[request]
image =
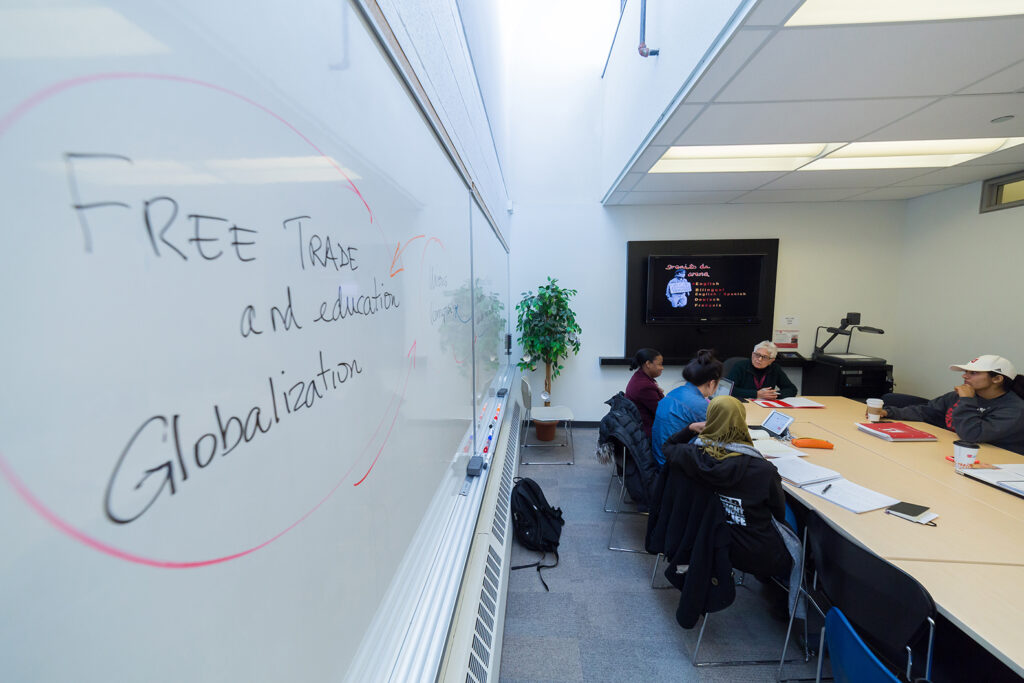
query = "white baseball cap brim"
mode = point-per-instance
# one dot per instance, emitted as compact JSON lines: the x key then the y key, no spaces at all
{"x":988,"y":363}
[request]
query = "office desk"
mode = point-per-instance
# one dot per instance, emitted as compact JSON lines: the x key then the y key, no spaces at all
{"x":972,"y":563}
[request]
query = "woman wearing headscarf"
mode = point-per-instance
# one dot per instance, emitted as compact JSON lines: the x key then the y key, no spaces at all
{"x":724,"y":459}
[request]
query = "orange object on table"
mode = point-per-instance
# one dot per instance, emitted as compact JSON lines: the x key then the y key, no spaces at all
{"x":805,"y":442}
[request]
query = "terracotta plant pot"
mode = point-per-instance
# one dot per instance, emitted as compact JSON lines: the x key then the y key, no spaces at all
{"x":545,"y":430}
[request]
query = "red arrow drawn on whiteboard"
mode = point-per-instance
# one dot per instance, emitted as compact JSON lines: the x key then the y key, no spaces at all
{"x":398,"y":255}
{"x":396,"y":403}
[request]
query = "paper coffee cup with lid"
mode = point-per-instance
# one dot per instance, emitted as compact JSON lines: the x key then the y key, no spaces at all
{"x":965,"y":454}
{"x":874,"y":409}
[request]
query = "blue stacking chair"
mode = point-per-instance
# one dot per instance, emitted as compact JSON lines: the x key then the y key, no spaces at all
{"x":852,"y":660}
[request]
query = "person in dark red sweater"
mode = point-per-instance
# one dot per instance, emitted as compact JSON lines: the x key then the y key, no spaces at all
{"x":642,"y":389}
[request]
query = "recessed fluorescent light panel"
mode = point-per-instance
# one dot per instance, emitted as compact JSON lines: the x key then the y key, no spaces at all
{"x":909,"y":154}
{"x":737,"y":158}
{"x":831,"y":12}
{"x":828,"y":156}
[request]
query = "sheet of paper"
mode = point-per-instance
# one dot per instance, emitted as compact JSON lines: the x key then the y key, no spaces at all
{"x":801,"y":402}
{"x":791,"y":402}
{"x":801,"y":472}
{"x":853,"y":497}
{"x":757,"y":434}
{"x":770,"y":448}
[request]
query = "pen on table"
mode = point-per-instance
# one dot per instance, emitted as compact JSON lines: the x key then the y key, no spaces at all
{"x":825,"y":490}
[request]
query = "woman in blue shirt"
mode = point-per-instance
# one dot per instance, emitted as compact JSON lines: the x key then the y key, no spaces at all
{"x":686,"y":406}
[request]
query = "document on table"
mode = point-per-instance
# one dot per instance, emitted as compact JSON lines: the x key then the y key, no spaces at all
{"x":770,"y":448}
{"x":853,"y":497}
{"x":1009,"y":477}
{"x":801,"y":473}
{"x":792,"y":402}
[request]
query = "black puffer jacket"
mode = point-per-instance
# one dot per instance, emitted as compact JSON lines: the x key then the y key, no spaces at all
{"x":623,"y":425}
{"x":688,"y":524}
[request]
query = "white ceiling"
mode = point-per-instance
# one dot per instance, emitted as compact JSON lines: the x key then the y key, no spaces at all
{"x":898,"y":81}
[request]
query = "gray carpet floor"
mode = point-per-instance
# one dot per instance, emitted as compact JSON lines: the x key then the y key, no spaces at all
{"x":601,"y":620}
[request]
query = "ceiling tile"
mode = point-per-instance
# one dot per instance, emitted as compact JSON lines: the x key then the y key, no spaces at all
{"x":885,"y":193}
{"x":680,"y":197}
{"x":739,"y":49}
{"x":677,"y":122}
{"x":1010,"y":79}
{"x":691,"y":182}
{"x":647,"y":158}
{"x":630,"y":181}
{"x":849,"y":179}
{"x":877,"y":60}
{"x":772,"y":12}
{"x":959,"y":175}
{"x":823,"y":195}
{"x":778,"y":122}
{"x":959,"y":116}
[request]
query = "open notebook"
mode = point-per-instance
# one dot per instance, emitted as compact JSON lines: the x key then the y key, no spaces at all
{"x":830,"y":485}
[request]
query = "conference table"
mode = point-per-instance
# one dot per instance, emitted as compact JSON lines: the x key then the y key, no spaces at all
{"x":971,"y":562}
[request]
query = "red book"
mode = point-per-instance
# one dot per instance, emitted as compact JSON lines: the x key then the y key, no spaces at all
{"x":894,"y":431}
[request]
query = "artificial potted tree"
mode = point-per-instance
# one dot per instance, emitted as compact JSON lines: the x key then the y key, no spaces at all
{"x":548,"y":332}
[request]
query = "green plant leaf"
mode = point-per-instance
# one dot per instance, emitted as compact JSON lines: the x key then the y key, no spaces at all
{"x":547,"y":326}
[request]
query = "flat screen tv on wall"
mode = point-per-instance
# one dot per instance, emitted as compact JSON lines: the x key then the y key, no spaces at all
{"x":704,"y":288}
{"x":722,"y":297}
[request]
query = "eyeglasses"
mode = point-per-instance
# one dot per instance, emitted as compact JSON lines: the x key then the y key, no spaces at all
{"x":761,"y":356}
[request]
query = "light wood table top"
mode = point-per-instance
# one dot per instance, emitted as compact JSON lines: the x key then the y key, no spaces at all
{"x":982,"y":599}
{"x":837,"y":421}
{"x":972,"y":562}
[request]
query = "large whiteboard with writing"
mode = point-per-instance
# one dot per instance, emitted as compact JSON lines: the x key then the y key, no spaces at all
{"x":239,"y":360}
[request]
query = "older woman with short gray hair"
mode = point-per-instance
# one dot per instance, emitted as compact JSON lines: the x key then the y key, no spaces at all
{"x":759,"y":377}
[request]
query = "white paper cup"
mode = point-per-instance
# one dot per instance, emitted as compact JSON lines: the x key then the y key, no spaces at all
{"x":874,"y":409}
{"x":965,"y":454}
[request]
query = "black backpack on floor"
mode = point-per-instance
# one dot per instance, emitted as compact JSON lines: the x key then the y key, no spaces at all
{"x":535,"y":524}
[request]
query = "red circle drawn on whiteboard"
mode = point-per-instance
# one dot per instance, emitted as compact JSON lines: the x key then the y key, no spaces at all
{"x":20,"y":488}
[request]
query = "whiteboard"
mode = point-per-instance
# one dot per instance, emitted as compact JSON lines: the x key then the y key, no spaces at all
{"x":235,"y":375}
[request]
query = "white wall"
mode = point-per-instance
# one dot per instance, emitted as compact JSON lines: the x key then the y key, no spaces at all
{"x":829,"y":263}
{"x":958,"y":288}
{"x":639,"y":90}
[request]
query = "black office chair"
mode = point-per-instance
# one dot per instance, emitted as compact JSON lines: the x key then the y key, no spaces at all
{"x":728,"y":363}
{"x":892,"y":611}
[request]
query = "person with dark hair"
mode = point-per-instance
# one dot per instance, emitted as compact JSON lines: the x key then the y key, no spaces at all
{"x":760,"y":378}
{"x":987,"y":408}
{"x":642,"y":388}
{"x":686,"y":406}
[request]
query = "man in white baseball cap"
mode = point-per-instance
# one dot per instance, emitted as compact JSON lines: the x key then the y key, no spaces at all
{"x":987,"y":408}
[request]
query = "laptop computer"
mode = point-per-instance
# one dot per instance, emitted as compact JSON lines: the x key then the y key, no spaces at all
{"x":724,"y":388}
{"x":1009,"y":478}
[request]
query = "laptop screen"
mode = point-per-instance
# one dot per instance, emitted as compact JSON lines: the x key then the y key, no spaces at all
{"x":724,"y":388}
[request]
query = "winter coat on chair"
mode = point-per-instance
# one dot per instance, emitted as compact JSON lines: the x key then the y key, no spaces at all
{"x":688,"y":524}
{"x":622,"y":426}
